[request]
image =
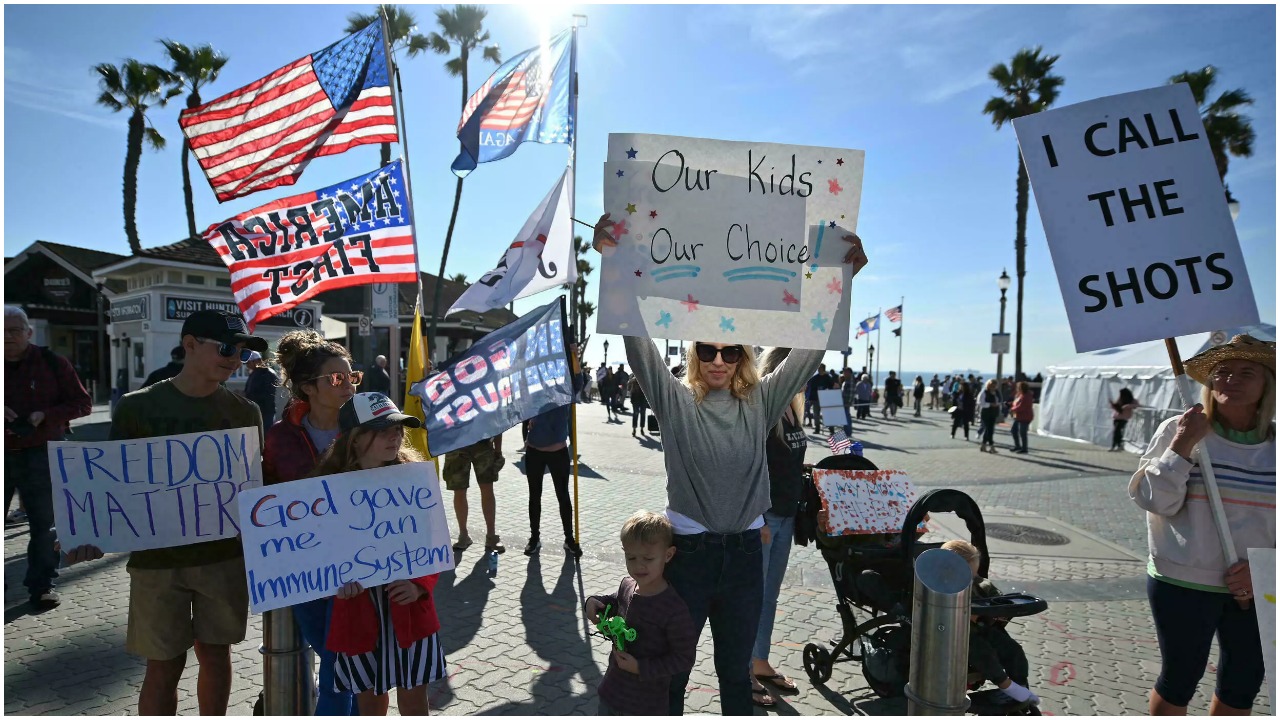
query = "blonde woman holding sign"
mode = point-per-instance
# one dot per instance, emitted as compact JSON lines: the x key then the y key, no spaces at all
{"x":714,"y":426}
{"x":1194,"y":595}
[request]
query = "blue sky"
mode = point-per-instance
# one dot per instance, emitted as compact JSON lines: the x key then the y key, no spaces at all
{"x":904,"y":83}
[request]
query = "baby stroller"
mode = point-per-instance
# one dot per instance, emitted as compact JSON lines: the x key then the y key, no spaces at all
{"x":874,"y":574}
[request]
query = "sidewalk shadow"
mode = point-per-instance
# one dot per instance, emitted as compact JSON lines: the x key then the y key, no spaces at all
{"x":462,"y":602}
{"x":649,"y":443}
{"x":83,"y":666}
{"x":1072,"y":465}
{"x":15,"y":570}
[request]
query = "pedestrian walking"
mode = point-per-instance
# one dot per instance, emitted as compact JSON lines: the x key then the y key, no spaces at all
{"x":190,"y":595}
{"x":848,"y":398}
{"x":715,"y":426}
{"x":385,"y":636}
{"x":377,"y":379}
{"x":42,"y":395}
{"x":935,"y":385}
{"x":962,"y":411}
{"x":1121,"y":413}
{"x":917,"y":392}
{"x":260,"y":387}
{"x":320,"y":381}
{"x":892,"y":395}
{"x":621,"y":381}
{"x":1194,"y":595}
{"x":547,"y":449}
{"x":170,"y":370}
{"x":639,"y":406}
{"x":486,"y":458}
{"x":813,"y":408}
{"x":863,"y":392}
{"x":989,"y":407}
{"x":1023,"y":413}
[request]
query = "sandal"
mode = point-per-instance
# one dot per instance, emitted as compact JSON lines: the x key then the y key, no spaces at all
{"x":762,"y":698}
{"x":780,"y":682}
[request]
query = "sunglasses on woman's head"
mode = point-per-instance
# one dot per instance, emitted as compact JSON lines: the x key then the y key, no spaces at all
{"x":335,"y":378}
{"x":707,"y":353}
{"x":228,"y":349}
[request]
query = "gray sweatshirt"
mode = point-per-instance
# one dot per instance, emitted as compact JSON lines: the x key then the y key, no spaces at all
{"x":714,"y":450}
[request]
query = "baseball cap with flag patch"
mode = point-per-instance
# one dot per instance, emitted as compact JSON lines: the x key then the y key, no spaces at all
{"x":222,"y":326}
{"x":372,"y":411}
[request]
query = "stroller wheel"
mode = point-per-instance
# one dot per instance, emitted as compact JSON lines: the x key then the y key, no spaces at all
{"x":817,"y":663}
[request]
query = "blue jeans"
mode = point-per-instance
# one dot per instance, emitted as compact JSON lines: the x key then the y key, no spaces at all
{"x":848,"y":430}
{"x":1019,"y":433}
{"x":776,"y":553}
{"x":27,"y":472}
{"x":313,"y":620}
{"x":720,"y":578}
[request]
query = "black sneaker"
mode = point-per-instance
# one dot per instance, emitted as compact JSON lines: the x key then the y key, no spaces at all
{"x":533,"y":547}
{"x":46,"y":600}
{"x":573,"y":548}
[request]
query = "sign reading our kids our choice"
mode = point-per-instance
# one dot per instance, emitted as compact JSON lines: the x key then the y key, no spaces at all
{"x":729,"y":241}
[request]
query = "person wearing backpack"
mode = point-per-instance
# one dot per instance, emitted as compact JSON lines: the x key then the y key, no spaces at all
{"x":42,"y":395}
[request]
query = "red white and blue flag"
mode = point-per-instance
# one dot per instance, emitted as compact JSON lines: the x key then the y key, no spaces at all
{"x":264,"y":134}
{"x":839,"y":443}
{"x":357,"y":232}
{"x":866,"y":326}
{"x":527,"y":98}
{"x":894,"y":314}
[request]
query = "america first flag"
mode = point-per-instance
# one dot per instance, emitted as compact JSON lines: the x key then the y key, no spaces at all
{"x":357,"y":232}
{"x":264,"y":134}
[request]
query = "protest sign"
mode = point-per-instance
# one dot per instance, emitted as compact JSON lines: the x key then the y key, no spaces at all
{"x":158,"y":492}
{"x":832,"y":404}
{"x":728,"y":241}
{"x":1262,"y":570}
{"x":305,"y":539}
{"x":862,"y":502}
{"x":358,"y":232}
{"x":1136,"y":218}
{"x":514,"y":373}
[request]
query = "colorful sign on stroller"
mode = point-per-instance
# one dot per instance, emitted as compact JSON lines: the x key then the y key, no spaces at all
{"x":863,"y":502}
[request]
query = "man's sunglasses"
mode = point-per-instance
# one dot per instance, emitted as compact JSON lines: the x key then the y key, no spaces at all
{"x":707,"y":353}
{"x":335,"y":378}
{"x":228,"y":349}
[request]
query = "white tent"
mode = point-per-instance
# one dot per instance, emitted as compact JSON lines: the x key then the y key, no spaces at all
{"x":1076,"y":396}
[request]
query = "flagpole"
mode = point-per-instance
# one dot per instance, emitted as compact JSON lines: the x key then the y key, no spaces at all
{"x":901,"y":300}
{"x":573,"y":305}
{"x":879,"y":317}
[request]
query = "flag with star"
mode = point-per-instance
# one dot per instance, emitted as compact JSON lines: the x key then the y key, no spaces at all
{"x":357,"y":232}
{"x":263,"y":135}
{"x":871,"y":323}
{"x":894,"y":314}
{"x":526,"y":99}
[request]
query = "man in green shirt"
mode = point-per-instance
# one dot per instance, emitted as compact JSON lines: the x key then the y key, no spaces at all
{"x":189,"y":595}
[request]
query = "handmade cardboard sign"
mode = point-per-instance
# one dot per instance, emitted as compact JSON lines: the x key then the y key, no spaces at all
{"x":125,"y":495}
{"x":1262,"y":570}
{"x":729,"y":241}
{"x":862,"y":502}
{"x":1136,"y":218}
{"x":307,"y":538}
{"x":832,"y":403}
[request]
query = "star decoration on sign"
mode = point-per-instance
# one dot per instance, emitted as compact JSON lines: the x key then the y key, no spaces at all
{"x":808,"y":276}
{"x":833,"y":287}
{"x":819,"y":323}
{"x":841,"y":217}
{"x":638,"y":273}
{"x":620,"y":229}
{"x":690,"y":303}
{"x":819,"y":162}
{"x":631,"y":208}
{"x":789,"y":299}
{"x":831,"y":224}
{"x":620,"y":173}
{"x":839,"y":161}
{"x":664,"y":319}
{"x":833,"y":187}
{"x":726,"y":324}
{"x":631,"y":154}
{"x":653,"y":214}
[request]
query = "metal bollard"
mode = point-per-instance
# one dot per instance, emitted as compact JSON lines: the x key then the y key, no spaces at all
{"x":940,"y":635}
{"x":286,"y":663}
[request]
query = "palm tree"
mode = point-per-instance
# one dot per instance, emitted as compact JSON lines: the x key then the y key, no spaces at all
{"x":579,"y":293}
{"x":135,"y":86}
{"x":1027,"y":86}
{"x":459,"y":278}
{"x":193,"y":67}
{"x":461,"y":28}
{"x":402,"y":29}
{"x":1229,"y":132}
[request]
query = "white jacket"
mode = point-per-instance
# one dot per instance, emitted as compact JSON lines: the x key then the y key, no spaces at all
{"x":1180,"y":526}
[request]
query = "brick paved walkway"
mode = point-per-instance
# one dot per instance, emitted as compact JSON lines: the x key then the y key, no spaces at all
{"x":517,"y":643}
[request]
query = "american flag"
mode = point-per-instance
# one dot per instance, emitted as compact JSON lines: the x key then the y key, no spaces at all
{"x":894,"y":314}
{"x":357,"y":232}
{"x":264,"y":134}
{"x":839,"y":443}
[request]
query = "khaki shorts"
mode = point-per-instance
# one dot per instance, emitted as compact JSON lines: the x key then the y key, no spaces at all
{"x":457,"y":466}
{"x":171,"y":607}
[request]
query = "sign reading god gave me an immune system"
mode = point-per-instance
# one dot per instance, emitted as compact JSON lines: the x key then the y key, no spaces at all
{"x":729,"y":241}
{"x":1136,"y":218}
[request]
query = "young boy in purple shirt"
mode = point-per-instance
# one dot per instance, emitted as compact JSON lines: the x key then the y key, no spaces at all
{"x":638,"y":680}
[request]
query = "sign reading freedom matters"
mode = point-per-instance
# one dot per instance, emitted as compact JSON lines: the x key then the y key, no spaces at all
{"x":125,"y":495}
{"x":729,"y":241}
{"x":305,"y":539}
{"x":860,"y":502}
{"x":1136,"y":218}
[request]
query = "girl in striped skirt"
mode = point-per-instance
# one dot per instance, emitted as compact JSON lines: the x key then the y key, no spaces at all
{"x":385,"y":637}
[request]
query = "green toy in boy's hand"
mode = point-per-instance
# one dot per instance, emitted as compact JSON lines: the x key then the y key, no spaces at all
{"x":616,"y":629}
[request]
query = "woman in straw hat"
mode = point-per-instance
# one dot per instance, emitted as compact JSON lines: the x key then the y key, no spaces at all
{"x":1193,"y":594}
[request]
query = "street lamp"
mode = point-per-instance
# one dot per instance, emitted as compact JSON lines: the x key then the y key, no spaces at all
{"x":1003,"y":282}
{"x":606,"y":352}
{"x":871,"y":357}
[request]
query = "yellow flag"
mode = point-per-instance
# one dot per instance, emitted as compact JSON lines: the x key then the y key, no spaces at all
{"x":416,"y":372}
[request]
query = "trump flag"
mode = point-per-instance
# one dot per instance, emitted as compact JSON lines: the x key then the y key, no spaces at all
{"x":527,"y":98}
{"x":357,"y":232}
{"x":264,"y":134}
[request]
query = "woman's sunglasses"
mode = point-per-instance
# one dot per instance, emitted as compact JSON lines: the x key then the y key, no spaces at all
{"x":228,"y":349}
{"x":707,"y":353}
{"x":335,"y":378}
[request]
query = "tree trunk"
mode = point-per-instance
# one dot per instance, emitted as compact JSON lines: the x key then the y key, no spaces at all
{"x":193,"y":100}
{"x":1020,"y":247}
{"x":453,"y":218}
{"x":132,"y":156}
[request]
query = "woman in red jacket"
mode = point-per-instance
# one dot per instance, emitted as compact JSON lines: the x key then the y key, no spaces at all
{"x":1023,"y":412}
{"x":384,"y":636}
{"x":318,"y":375}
